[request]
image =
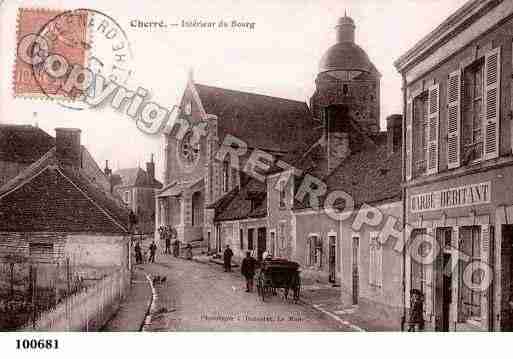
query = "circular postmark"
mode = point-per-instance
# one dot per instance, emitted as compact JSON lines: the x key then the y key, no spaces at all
{"x":86,"y":49}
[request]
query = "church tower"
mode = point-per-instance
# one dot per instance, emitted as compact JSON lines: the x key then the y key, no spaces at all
{"x":347,"y":92}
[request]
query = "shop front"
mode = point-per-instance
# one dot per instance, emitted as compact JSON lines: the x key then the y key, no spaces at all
{"x":460,"y":252}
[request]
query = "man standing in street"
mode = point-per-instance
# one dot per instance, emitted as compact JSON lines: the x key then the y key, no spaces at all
{"x":248,"y":270}
{"x":153,"y":250}
{"x":227,"y":257}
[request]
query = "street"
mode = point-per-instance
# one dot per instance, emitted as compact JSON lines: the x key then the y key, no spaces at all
{"x":202,"y":297}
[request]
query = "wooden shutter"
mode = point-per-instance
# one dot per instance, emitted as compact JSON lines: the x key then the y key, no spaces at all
{"x":433,"y":118}
{"x":453,"y":119}
{"x":485,"y":243}
{"x":379,"y":271}
{"x":372,"y":261}
{"x":492,"y":91}
{"x":409,"y":142}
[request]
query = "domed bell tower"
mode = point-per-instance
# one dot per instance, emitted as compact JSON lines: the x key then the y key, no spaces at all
{"x":347,"y":93}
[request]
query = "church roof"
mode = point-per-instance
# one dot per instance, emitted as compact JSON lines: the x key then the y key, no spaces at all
{"x":346,"y":56}
{"x":276,"y":125}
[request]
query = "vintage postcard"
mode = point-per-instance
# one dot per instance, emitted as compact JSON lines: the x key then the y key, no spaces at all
{"x":237,"y":166}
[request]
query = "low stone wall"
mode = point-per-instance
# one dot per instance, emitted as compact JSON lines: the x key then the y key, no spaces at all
{"x":88,"y":310}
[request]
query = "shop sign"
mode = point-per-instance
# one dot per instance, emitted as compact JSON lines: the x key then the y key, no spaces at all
{"x":468,"y":195}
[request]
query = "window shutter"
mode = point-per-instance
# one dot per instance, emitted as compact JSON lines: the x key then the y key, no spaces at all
{"x":433,"y":118}
{"x":486,"y":238}
{"x":453,"y":119}
{"x":409,"y":149}
{"x":309,"y":251}
{"x":380,"y":264}
{"x":371,"y":261}
{"x":492,"y":103}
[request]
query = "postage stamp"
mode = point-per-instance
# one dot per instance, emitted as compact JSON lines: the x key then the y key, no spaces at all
{"x":71,"y":47}
{"x":66,"y":36}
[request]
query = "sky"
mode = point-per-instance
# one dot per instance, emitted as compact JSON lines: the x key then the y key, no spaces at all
{"x":278,"y":57}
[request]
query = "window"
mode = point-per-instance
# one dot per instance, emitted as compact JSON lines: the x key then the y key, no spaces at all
{"x":188,"y":108}
{"x":197,"y":209}
{"x":226,"y":174}
{"x":281,"y":235}
{"x":127,"y":197}
{"x":473,"y":112}
{"x":272,"y":244}
{"x":241,"y":238}
{"x":251,"y":231}
{"x":421,"y":134}
{"x":469,"y":300}
{"x":315,"y":251}
{"x":375,"y":261}
{"x":283,"y":194}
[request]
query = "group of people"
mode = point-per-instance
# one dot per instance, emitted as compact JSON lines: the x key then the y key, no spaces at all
{"x":167,"y":234}
{"x":139,"y":256}
{"x":247,"y":268}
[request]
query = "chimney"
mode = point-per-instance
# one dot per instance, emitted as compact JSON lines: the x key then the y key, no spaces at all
{"x":394,"y":133}
{"x":107,"y":170}
{"x":150,"y":169}
{"x":69,"y":149}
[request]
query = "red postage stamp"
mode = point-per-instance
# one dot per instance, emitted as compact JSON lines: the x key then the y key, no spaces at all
{"x":66,"y":35}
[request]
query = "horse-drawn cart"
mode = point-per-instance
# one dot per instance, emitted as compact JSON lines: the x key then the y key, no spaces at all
{"x":278,"y":273}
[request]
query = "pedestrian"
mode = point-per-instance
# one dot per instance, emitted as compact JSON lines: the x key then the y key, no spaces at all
{"x":247,"y":269}
{"x":138,"y":254}
{"x":132,"y":221}
{"x":167,"y":239}
{"x":153,"y":250}
{"x":416,"y":322}
{"x":188,"y":251}
{"x":227,"y":257}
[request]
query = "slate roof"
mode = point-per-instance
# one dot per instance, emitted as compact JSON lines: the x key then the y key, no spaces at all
{"x":370,"y":176}
{"x":23,"y":143}
{"x":136,"y":177}
{"x":237,"y":203}
{"x":50,"y":196}
{"x":269,"y":123}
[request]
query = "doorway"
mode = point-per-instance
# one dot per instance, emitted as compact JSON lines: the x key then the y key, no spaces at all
{"x":262,"y":242}
{"x":507,"y":278}
{"x":332,"y":260}
{"x":443,"y":281}
{"x":219,"y":247}
{"x":355,"y":274}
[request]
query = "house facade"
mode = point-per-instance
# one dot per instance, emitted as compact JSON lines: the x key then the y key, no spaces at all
{"x":137,"y":189}
{"x":458,"y":167}
{"x":53,"y":215}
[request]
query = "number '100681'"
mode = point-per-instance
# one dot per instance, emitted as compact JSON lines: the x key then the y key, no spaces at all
{"x":37,"y":344}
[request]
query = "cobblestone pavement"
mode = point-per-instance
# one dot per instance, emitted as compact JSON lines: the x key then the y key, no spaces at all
{"x":201,"y":297}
